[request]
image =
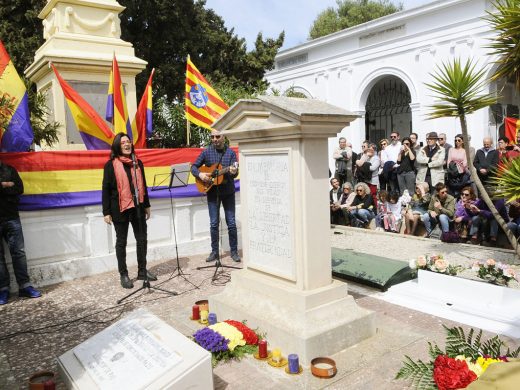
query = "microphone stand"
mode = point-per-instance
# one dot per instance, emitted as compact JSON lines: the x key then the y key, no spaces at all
{"x":146,"y":282}
{"x":218,"y":264}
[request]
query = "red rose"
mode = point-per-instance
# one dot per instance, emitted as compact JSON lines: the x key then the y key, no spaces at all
{"x":449,"y":373}
{"x":249,"y":335}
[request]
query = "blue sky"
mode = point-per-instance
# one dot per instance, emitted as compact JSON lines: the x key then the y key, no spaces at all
{"x":249,"y":17}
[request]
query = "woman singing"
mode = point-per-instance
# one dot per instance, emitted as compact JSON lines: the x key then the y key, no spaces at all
{"x":119,"y":205}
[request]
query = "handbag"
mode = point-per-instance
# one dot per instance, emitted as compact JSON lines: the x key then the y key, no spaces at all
{"x":450,"y":237}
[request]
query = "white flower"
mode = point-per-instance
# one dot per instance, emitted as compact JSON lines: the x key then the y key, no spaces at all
{"x":412,"y":264}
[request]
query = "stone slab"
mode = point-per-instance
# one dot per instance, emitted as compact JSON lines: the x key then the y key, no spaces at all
{"x":475,"y":303}
{"x":138,"y":352}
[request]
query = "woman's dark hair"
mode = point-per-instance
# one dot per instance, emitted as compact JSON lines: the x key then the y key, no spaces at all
{"x":460,"y":136}
{"x":115,"y":150}
{"x":472,"y":195}
{"x":407,"y":139}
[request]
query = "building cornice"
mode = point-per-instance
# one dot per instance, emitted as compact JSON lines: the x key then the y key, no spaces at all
{"x":372,"y":26}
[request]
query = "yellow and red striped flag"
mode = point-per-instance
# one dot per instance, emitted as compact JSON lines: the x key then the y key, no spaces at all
{"x":203,"y":105}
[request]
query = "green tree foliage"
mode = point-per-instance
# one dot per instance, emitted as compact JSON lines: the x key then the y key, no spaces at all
{"x":350,"y":13}
{"x":45,"y":131}
{"x":505,"y":20}
{"x":20,"y":30}
{"x":164,"y":32}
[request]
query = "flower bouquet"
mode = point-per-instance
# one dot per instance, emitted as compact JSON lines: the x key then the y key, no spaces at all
{"x":434,"y":263}
{"x":494,"y":272}
{"x":464,"y":361}
{"x":227,"y":340}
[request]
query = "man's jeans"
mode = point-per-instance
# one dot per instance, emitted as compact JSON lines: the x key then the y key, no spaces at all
{"x":430,"y":223}
{"x":228,"y":201}
{"x":477,"y":224}
{"x":11,"y":232}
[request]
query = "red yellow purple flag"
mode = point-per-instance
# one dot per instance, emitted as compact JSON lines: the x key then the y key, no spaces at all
{"x":143,"y":117}
{"x":117,"y":111}
{"x":18,"y":134}
{"x":203,"y":105}
{"x":93,"y":129}
{"x":511,"y":128}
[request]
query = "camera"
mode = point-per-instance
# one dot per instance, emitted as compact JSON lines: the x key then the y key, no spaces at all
{"x":510,"y":147}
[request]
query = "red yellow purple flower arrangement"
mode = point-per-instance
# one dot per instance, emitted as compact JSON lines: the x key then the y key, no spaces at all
{"x":227,"y":340}
{"x":465,"y":360}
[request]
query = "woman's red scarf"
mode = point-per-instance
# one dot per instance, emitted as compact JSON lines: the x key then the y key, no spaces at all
{"x":123,"y":185}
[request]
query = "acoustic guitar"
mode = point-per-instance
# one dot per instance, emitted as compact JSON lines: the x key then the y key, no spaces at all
{"x":217,"y":176}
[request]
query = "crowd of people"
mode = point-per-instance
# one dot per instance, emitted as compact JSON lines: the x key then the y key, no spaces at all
{"x":409,"y":187}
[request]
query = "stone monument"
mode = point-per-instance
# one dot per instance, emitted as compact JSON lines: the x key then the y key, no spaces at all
{"x":81,"y":38}
{"x":286,"y":287}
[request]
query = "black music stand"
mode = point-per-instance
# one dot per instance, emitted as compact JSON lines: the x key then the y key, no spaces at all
{"x":146,"y":282}
{"x":177,"y":178}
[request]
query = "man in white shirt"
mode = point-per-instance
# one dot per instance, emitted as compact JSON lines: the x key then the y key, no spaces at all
{"x":343,"y":161}
{"x":389,"y":159}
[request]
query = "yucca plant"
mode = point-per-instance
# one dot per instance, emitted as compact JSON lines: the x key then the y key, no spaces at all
{"x":505,"y":20}
{"x":459,"y":90}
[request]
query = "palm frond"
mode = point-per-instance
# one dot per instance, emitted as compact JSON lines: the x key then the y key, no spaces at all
{"x":515,"y":353}
{"x":458,"y":344}
{"x":505,"y":20}
{"x":434,"y":351}
{"x":492,"y":346}
{"x":507,"y":180}
{"x":419,"y":374}
{"x":458,"y":88}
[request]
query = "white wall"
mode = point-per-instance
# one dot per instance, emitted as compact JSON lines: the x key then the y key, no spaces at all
{"x":69,"y":243}
{"x":342,"y":68}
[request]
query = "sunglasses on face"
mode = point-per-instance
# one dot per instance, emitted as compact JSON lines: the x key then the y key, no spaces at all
{"x":465,"y":194}
{"x":359,"y":190}
{"x":443,"y":192}
{"x":458,"y":140}
{"x":406,"y":143}
{"x":216,"y":136}
{"x":384,"y":144}
{"x":393,"y":136}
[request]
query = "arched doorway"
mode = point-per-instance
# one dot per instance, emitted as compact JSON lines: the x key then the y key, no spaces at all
{"x":387,"y":109}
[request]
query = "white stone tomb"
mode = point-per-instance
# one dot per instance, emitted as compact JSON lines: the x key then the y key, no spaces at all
{"x":286,"y":287}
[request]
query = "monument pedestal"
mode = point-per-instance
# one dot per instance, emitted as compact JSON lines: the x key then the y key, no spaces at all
{"x":318,"y":322}
{"x":286,"y":288}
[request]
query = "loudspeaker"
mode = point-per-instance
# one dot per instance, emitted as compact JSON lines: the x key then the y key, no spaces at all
{"x":512,"y":111}
{"x":497,"y":111}
{"x":374,"y":271}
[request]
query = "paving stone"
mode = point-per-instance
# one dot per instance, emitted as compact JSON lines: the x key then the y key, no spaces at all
{"x":33,"y":332}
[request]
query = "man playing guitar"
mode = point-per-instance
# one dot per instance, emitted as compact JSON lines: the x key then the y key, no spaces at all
{"x":219,"y":155}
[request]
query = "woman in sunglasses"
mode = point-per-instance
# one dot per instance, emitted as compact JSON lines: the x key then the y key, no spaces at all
{"x":406,"y":170}
{"x":464,"y":214}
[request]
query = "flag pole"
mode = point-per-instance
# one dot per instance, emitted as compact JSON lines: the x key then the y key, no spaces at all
{"x":187,"y":133}
{"x":187,"y":120}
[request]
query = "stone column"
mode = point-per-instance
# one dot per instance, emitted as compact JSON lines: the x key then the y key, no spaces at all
{"x":286,"y":287}
{"x":81,"y":38}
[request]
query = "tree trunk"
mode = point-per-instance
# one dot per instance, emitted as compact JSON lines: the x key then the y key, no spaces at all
{"x":482,"y":190}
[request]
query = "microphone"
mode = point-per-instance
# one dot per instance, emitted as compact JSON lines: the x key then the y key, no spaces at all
{"x":134,"y":160}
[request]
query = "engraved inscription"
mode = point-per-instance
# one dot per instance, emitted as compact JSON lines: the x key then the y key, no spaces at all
{"x":269,"y":213}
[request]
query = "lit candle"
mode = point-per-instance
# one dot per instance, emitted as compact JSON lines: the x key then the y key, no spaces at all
{"x":277,"y":355}
{"x":195,"y":312}
{"x":294,"y":364}
{"x":212,"y":318}
{"x":204,"y":316}
{"x":262,"y":349}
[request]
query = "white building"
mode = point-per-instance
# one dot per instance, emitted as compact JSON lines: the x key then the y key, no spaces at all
{"x":378,"y":70}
